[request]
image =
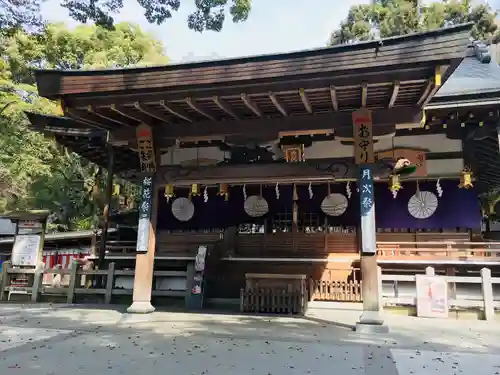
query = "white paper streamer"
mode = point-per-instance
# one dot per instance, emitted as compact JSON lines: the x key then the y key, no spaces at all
{"x":394,"y":194}
{"x":439,"y":189}
{"x":311,"y":194}
{"x":277,"y":190}
{"x":244,"y":192}
{"x":348,"y":189}
{"x":205,"y":195}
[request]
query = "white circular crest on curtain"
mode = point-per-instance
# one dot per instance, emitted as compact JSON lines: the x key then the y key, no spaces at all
{"x":182,"y":209}
{"x":422,"y":205}
{"x":334,"y":204}
{"x":256,"y":206}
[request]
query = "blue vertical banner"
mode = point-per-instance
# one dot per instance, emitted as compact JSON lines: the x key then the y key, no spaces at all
{"x":367,"y":209}
{"x":146,"y":201}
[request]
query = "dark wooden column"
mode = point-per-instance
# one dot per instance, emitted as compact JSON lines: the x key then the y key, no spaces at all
{"x":107,"y":205}
{"x":371,"y":319}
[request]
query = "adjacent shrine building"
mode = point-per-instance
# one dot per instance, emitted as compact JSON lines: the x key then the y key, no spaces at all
{"x":261,"y":157}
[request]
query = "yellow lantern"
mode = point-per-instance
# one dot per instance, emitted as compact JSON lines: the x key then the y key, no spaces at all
{"x":169,"y":192}
{"x":195,"y":191}
{"x":395,"y":183}
{"x":224,"y":191}
{"x":466,"y":179}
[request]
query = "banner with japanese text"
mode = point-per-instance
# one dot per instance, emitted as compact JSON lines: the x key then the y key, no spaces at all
{"x":363,"y":137}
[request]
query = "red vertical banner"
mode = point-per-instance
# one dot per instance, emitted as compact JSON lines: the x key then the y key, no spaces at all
{"x":363,"y":136}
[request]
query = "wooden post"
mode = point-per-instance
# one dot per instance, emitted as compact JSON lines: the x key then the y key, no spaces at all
{"x":110,"y":282}
{"x":487,"y":288}
{"x":146,"y":245}
{"x":107,"y":205}
{"x":37,"y":283}
{"x":4,"y":280}
{"x":72,"y":282}
{"x":370,"y":320}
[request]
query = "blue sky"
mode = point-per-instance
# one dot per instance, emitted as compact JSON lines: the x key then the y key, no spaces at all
{"x":273,"y":26}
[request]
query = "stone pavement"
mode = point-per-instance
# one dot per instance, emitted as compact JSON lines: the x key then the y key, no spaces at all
{"x":54,"y":340}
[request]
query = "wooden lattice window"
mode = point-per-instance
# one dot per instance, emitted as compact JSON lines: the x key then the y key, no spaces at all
{"x":311,"y":222}
{"x":283,"y":222}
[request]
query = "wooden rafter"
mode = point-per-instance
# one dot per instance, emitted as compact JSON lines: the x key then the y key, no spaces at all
{"x":278,"y":104}
{"x":175,"y":112}
{"x":394,"y":96}
{"x":112,"y":119}
{"x":305,"y":100}
{"x":195,"y":107}
{"x":364,"y":95}
{"x":69,"y":112}
{"x":151,"y":113}
{"x":133,"y":116}
{"x":224,"y":106}
{"x":251,"y":105}
{"x":426,"y":92}
{"x":434,"y":85}
{"x":333,"y":97}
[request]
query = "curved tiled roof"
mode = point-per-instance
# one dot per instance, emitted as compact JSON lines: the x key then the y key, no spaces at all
{"x":479,"y":73}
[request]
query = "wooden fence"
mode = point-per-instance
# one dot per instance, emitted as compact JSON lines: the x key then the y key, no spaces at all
{"x":272,"y":300}
{"x":75,"y":285}
{"x":331,"y":290}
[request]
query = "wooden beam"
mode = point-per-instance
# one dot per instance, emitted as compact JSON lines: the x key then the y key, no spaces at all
{"x":71,"y":113}
{"x":333,"y":96}
{"x":383,"y":123}
{"x":251,"y":105}
{"x":175,"y":112}
{"x":433,"y":85}
{"x":364,"y":94}
{"x":139,"y":117}
{"x":225,"y":107}
{"x":305,"y":100}
{"x":278,"y":104}
{"x":394,"y":96}
{"x":192,"y":104}
{"x":95,"y":112}
{"x":151,"y":113}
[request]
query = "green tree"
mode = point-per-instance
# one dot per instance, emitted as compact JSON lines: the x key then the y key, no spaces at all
{"x":386,"y":18}
{"x":209,"y":14}
{"x":19,"y":14}
{"x":35,"y":172}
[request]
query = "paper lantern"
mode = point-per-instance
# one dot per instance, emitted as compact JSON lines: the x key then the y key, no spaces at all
{"x":224,"y":191}
{"x":169,"y":192}
{"x":466,"y":179}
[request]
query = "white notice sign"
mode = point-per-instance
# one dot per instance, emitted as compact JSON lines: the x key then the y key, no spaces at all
{"x":25,"y":251}
{"x":432,"y":296}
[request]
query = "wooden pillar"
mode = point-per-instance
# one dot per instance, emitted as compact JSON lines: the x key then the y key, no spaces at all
{"x":146,"y":246}
{"x":107,"y":205}
{"x":146,"y":231}
{"x":364,"y":158}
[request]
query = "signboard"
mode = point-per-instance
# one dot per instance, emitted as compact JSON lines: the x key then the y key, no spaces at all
{"x":146,"y":201}
{"x":417,"y":157}
{"x":144,"y":135}
{"x":26,"y":250}
{"x":432,"y":296}
{"x":367,"y":209}
{"x":199,"y":263}
{"x":29,"y":227}
{"x":363,"y":136}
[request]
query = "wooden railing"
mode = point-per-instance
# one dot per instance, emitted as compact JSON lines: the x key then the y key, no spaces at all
{"x":271,"y":300}
{"x":75,"y":286}
{"x":445,"y":250}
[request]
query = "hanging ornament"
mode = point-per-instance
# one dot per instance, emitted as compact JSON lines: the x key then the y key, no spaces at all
{"x":245,"y":192}
{"x":169,"y":192}
{"x":394,"y":185}
{"x":348,"y":190}
{"x":277,"y":190}
{"x":310,"y":190}
{"x":295,"y":194}
{"x":466,"y":179}
{"x":195,"y":191}
{"x":205,"y":194}
{"x":439,"y":189}
{"x":224,"y":191}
